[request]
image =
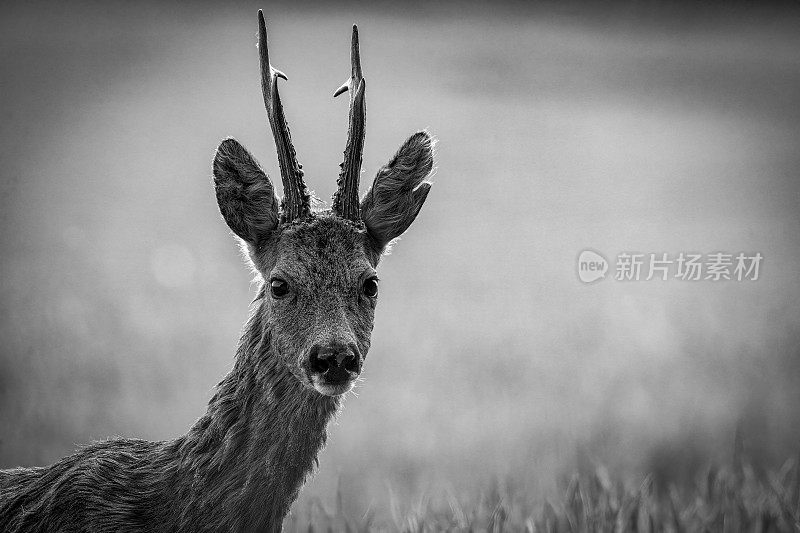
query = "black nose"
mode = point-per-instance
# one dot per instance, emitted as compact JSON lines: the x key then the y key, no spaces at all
{"x":335,"y":361}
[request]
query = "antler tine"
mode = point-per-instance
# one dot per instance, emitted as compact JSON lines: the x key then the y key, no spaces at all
{"x":345,"y":201}
{"x":296,"y":200}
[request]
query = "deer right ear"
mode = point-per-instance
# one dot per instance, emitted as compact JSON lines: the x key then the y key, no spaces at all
{"x":245,"y":194}
{"x":399,"y":190}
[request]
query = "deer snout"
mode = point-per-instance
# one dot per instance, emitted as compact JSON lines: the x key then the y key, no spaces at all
{"x":325,"y":359}
{"x":333,"y":367}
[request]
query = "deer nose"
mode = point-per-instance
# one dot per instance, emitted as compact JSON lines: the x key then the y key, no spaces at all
{"x":335,"y":361}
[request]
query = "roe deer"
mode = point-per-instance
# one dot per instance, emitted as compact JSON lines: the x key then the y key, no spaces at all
{"x":241,"y":465}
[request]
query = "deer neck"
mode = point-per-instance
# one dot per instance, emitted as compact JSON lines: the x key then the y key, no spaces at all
{"x":258,"y":441}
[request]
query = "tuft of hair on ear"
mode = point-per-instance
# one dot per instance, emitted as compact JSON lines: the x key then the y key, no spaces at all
{"x":249,"y":256}
{"x":245,"y":195}
{"x":399,"y":190}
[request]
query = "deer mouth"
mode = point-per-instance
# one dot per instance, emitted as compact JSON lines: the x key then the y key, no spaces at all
{"x":327,"y":388}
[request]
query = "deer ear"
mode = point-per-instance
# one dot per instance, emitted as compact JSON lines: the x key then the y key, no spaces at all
{"x":245,"y":194}
{"x":399,"y":190}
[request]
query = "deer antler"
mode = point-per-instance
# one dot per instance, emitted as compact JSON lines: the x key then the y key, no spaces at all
{"x":345,"y":201}
{"x":296,"y":200}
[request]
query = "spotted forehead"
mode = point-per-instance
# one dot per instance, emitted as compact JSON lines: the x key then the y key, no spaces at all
{"x":324,"y":249}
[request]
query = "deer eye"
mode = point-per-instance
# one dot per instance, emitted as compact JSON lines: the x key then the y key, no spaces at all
{"x":370,"y":288}
{"x":278,"y":288}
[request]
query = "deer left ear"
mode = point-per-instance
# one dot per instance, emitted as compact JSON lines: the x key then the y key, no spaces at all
{"x":399,"y":190}
{"x":245,"y":194}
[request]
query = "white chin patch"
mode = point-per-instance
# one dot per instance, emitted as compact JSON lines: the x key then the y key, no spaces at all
{"x":331,"y":390}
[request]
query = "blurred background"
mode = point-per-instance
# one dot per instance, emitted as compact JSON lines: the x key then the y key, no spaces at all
{"x":638,"y":126}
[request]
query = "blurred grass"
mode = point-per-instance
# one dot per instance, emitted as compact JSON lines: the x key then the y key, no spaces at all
{"x":731,"y":498}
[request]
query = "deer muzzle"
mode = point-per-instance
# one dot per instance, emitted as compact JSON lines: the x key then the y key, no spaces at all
{"x":333,"y":367}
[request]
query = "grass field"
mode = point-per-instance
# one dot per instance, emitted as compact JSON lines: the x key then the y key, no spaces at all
{"x":733,"y":498}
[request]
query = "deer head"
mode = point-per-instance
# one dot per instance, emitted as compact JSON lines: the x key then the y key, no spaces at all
{"x":319,"y":286}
